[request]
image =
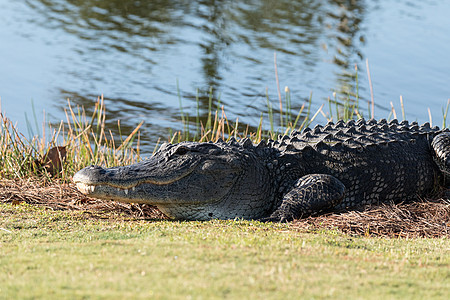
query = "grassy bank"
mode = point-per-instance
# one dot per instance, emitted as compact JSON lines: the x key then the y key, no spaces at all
{"x":39,"y":171}
{"x":66,"y":254}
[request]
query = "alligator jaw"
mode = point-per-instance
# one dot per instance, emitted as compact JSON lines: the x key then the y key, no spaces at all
{"x":90,"y":189}
{"x":85,"y":186}
{"x":94,"y":181}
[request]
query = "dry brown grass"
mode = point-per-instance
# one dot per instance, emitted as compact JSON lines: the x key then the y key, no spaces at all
{"x":61,"y":196}
{"x":429,"y":218}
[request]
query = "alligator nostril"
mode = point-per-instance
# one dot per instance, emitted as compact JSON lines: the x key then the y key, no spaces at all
{"x":94,"y":167}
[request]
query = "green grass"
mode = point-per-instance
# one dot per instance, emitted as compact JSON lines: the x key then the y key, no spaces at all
{"x":63,"y":254}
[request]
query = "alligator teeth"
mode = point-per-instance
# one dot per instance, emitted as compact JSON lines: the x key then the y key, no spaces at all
{"x":133,"y":188}
{"x":85,"y":189}
{"x":126,"y":191}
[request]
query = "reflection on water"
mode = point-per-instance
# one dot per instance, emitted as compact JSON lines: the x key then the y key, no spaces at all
{"x":134,"y":52}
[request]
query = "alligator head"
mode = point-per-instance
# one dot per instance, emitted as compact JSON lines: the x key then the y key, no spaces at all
{"x":187,"y":181}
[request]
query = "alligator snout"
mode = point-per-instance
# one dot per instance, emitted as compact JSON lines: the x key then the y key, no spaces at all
{"x":89,"y":175}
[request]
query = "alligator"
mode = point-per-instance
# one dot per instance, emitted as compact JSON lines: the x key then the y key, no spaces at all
{"x":339,"y":166}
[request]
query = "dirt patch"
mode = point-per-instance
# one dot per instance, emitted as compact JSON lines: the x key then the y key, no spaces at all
{"x":430,"y":218}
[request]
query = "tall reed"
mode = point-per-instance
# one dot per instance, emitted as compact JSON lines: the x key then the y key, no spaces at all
{"x":81,"y":139}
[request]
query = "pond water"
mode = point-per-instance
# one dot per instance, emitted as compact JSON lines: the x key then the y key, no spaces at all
{"x":141,"y":54}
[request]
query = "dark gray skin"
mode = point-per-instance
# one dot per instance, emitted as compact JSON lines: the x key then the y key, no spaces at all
{"x":339,"y":166}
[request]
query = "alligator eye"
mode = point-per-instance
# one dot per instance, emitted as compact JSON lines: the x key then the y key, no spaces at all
{"x":181,"y":151}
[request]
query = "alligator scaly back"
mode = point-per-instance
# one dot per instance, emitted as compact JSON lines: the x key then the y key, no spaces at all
{"x":354,"y":134}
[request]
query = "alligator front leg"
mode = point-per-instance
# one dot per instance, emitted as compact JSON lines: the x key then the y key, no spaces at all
{"x":441,"y":147}
{"x":310,"y":195}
